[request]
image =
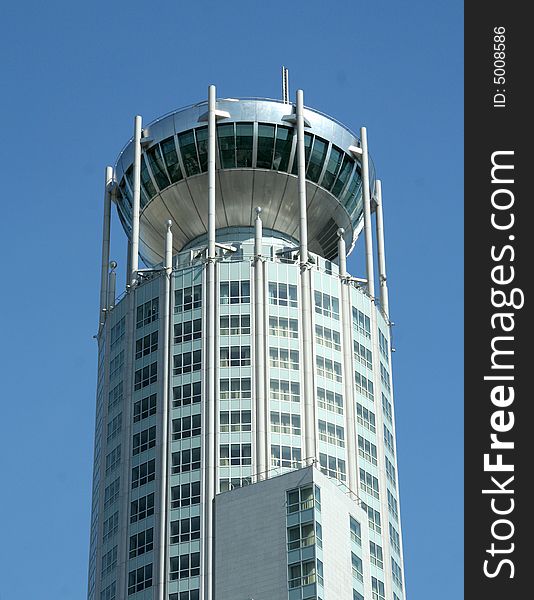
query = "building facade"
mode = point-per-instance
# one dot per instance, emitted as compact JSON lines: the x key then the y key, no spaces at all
{"x":245,"y":356}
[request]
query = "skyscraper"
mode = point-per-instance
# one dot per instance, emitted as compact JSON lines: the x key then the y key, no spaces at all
{"x":245,"y":439}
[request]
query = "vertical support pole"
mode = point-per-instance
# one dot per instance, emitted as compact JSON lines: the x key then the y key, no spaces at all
{"x":136,"y":208}
{"x":210,"y":420}
{"x":384,"y":296}
{"x":305,"y":286}
{"x":259,"y":339}
{"x":164,"y":420}
{"x":105,"y":243}
{"x":348,"y":388}
{"x":301,"y":158}
{"x":367,"y":215}
{"x":112,"y":284}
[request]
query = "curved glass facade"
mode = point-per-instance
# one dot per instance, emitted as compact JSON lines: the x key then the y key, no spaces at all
{"x":326,"y":164}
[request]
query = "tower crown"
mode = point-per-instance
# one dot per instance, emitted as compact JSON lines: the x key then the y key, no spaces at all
{"x":256,"y":165}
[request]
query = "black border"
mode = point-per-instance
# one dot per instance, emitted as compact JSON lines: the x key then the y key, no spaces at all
{"x":489,"y":129}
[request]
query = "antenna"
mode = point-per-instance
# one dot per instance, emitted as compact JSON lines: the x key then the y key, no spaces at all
{"x":285,"y":85}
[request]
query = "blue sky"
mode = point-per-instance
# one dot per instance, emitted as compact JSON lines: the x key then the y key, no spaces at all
{"x":74,"y":75}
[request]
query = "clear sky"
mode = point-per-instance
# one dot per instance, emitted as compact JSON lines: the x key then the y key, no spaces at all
{"x":73,"y":76}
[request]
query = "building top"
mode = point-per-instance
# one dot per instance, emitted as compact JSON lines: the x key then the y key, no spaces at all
{"x":256,"y":166}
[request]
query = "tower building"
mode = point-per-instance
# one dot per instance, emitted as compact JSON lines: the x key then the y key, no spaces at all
{"x":245,"y":437}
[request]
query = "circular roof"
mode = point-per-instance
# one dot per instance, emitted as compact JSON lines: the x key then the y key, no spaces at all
{"x":256,"y":166}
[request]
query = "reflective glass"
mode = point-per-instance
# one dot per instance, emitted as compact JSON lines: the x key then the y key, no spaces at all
{"x":188,"y":149}
{"x":352,"y":198}
{"x":282,"y":148}
{"x":170,"y":156}
{"x":202,"y":145}
{"x":265,"y":146}
{"x":318,"y":154}
{"x":145,"y":179}
{"x":343,"y":176}
{"x":226,"y":138}
{"x":158,"y":170}
{"x":244,"y":134}
{"x":334,"y":162}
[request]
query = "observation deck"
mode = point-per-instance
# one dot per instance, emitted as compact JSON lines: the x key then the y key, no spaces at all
{"x":256,"y":165}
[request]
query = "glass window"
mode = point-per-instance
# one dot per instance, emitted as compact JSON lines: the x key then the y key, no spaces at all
{"x":235,"y":356}
{"x":235,"y":389}
{"x":185,"y":494}
{"x":187,"y":362}
{"x":282,"y":149}
{"x":357,"y":567}
{"x":265,"y":146}
{"x":142,"y":508}
{"x":235,"y":421}
{"x":235,"y":292}
{"x":147,"y":312}
{"x":202,"y":145}
{"x":285,"y":423}
{"x":139,"y":579}
{"x":188,"y":298}
{"x":183,"y":395}
{"x":283,"y":327}
{"x":285,"y":456}
{"x":145,"y":179}
{"x":332,"y":167}
{"x":343,"y":177}
{"x":282,"y":294}
{"x":144,"y":440}
{"x":184,"y":566}
{"x":144,"y":473}
{"x":187,"y":331}
{"x":331,"y":433}
{"x":170,"y":156}
{"x":235,"y":325}
{"x":352,"y":197}
{"x":333,"y":466}
{"x":158,"y":170}
{"x":374,"y":518}
{"x":367,"y":450}
{"x":378,"y":589}
{"x":185,"y":530}
{"x":185,"y":427}
{"x":377,"y":557}
{"x":146,"y":376}
{"x":317,"y":157}
{"x":244,"y":140}
{"x":365,"y":417}
{"x":144,"y":408}
{"x":235,"y":455}
{"x":187,"y":595}
{"x":300,"y":499}
{"x":146,"y":344}
{"x":355,"y":531}
{"x":285,"y":391}
{"x":186,"y":141}
{"x":141,"y":542}
{"x":282,"y":358}
{"x":184,"y":461}
{"x":369,"y":484}
{"x":226,"y":139}
{"x":329,"y":400}
{"x":300,"y":536}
